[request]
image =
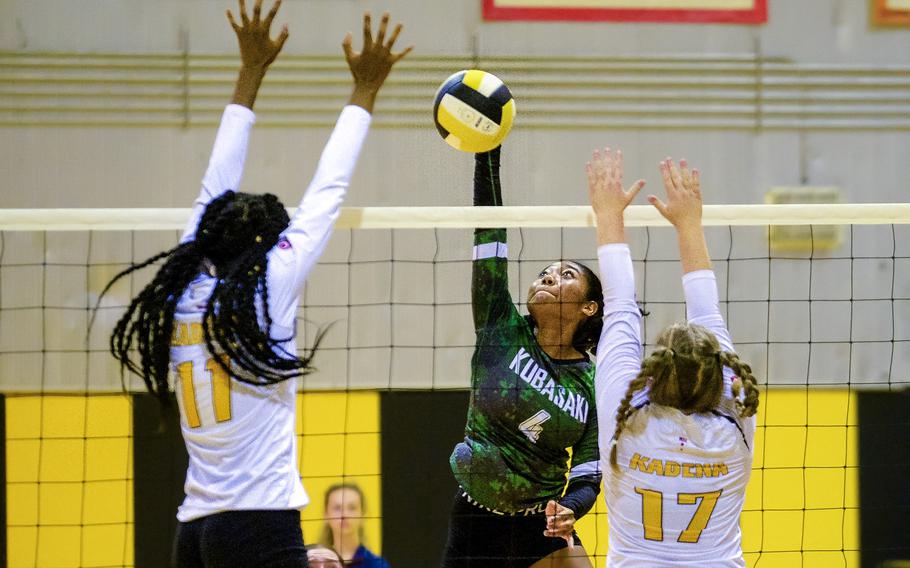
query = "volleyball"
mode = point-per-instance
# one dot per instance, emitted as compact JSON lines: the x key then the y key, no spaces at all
{"x":473,"y":111}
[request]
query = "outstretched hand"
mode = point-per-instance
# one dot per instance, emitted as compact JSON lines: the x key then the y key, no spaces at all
{"x":560,"y":522}
{"x":257,"y":49}
{"x":683,"y":186}
{"x":372,"y":65}
{"x":608,"y":198}
{"x":605,"y":189}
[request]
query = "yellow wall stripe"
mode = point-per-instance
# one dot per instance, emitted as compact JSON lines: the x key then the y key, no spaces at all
{"x":69,"y":481}
{"x":339,"y":440}
{"x":69,"y":477}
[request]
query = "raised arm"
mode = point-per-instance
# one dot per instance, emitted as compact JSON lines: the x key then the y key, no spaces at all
{"x":619,"y":350}
{"x":257,"y":51}
{"x":490,"y":272}
{"x":312,"y":224}
{"x":683,"y":209}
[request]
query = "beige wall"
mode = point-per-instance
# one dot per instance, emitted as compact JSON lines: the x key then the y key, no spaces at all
{"x":160,"y":167}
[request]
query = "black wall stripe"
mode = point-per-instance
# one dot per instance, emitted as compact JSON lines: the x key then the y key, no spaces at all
{"x":5,"y":535}
{"x":160,"y":461}
{"x":884,"y":494}
{"x":419,"y":430}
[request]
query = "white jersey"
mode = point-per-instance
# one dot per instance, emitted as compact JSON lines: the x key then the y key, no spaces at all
{"x":240,"y":438}
{"x":682,"y":482}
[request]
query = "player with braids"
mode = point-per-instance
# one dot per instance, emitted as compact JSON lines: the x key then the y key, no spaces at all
{"x":532,"y":399}
{"x":221,"y":313}
{"x":676,"y":428}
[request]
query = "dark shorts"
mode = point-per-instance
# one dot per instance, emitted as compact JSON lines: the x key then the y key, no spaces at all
{"x":479,"y":538}
{"x":241,"y":539}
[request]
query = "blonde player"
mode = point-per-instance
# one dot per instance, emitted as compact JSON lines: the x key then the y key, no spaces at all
{"x":221,"y":313}
{"x":676,"y":428}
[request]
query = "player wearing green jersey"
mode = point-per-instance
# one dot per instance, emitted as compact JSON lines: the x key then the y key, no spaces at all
{"x":532,"y":400}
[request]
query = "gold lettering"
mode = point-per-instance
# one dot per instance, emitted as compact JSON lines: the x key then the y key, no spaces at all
{"x":639,"y":462}
{"x":196,"y":334}
{"x":187,"y":334}
{"x":656,"y":467}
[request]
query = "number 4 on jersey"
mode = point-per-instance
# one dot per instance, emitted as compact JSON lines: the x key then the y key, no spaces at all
{"x":533,"y":426}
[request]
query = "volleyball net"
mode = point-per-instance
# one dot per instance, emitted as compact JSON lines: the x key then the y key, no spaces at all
{"x":816,"y":297}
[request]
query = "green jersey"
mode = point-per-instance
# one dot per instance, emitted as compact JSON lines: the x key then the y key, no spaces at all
{"x":526,"y":410}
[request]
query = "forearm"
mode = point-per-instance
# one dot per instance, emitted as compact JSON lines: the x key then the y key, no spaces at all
{"x":225,"y":168}
{"x":249,"y":79}
{"x":693,"y":249}
{"x":487,"y":187}
{"x":312,"y":224}
{"x":610,"y":228}
{"x":364,"y":97}
{"x":489,"y":285}
{"x":580,"y":497}
{"x":703,"y":305}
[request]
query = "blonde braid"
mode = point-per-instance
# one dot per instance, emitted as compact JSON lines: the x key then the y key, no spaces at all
{"x":651,"y":366}
{"x":748,"y":406}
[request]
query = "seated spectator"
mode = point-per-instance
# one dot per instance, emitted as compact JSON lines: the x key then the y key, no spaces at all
{"x":343,"y":530}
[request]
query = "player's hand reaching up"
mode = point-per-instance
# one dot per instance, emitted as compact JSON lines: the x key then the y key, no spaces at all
{"x":605,"y":189}
{"x":560,"y":522}
{"x":257,"y":49}
{"x":683,"y":186}
{"x":683,"y":210}
{"x":372,"y":65}
{"x":608,"y":197}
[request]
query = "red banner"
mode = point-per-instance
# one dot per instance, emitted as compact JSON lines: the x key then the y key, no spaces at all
{"x":679,"y":11}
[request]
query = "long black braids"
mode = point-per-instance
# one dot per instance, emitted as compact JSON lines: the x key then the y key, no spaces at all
{"x":233,"y":239}
{"x":142,"y":326}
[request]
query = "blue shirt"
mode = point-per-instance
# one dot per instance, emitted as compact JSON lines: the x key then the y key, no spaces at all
{"x":363,"y":558}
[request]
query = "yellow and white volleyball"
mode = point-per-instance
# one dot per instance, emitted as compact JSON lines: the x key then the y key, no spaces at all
{"x":473,"y":111}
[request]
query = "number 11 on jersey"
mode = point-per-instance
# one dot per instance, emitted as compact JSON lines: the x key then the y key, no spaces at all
{"x":221,"y":392}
